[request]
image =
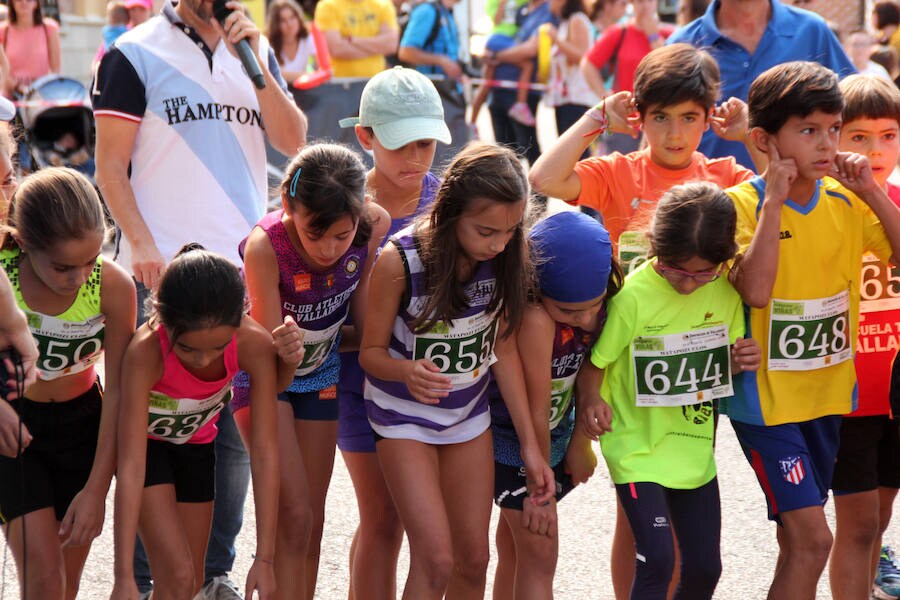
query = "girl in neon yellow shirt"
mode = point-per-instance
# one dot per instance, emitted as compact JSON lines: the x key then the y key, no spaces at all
{"x":667,"y":353}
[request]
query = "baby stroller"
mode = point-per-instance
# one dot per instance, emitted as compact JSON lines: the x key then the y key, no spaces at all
{"x":58,"y":125}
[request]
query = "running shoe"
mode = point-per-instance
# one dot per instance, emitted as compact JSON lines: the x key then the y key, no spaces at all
{"x":521,"y":113}
{"x":887,"y":580}
{"x":220,"y":588}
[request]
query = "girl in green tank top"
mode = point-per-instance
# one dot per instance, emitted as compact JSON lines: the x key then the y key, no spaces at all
{"x":79,"y":308}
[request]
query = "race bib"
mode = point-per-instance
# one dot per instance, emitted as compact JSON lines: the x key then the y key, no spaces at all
{"x":805,"y":335}
{"x":560,"y":398}
{"x":879,"y":286}
{"x":682,"y":368}
{"x":177,"y":420}
{"x":634,"y":247}
{"x":317,"y":346}
{"x":65,"y":347}
{"x":461,"y":352}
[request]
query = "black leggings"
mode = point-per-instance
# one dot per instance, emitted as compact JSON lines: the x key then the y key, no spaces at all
{"x":697,"y":518}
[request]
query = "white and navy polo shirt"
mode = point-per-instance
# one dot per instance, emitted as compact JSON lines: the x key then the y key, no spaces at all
{"x":198,"y":167}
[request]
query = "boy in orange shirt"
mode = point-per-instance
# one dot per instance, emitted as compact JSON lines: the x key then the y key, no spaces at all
{"x":675,"y":89}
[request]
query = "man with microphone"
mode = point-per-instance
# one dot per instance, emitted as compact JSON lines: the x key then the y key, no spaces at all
{"x":181,"y":157}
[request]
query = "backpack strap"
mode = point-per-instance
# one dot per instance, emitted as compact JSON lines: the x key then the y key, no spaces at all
{"x":615,"y":53}
{"x":435,"y":27}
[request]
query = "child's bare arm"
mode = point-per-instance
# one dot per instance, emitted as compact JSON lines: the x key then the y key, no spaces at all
{"x":553,"y":173}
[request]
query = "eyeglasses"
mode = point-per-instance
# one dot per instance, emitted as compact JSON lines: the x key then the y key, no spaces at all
{"x":699,"y":277}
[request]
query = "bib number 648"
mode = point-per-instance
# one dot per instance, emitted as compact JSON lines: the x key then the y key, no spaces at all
{"x":822,"y":338}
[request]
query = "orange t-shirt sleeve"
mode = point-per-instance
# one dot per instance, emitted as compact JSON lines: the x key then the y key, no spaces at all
{"x":596,"y":175}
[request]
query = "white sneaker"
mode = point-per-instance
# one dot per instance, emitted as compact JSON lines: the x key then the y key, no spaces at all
{"x":221,"y":588}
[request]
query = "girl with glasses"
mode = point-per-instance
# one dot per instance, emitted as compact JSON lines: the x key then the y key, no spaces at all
{"x":671,"y":344}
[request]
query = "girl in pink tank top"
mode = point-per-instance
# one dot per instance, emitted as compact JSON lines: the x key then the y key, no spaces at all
{"x":177,"y":375}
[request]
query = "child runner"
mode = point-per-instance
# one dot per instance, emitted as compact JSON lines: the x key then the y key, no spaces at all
{"x":310,"y":262}
{"x":447,"y":293}
{"x":79,"y":308}
{"x":576,"y":276}
{"x":668,"y":351}
{"x":400,"y":120}
{"x":178,"y":371}
{"x":803,"y":236}
{"x":675,"y":89}
{"x":867,"y":473}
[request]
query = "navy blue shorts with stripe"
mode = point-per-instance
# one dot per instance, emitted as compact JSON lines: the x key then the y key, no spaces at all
{"x":793,"y":462}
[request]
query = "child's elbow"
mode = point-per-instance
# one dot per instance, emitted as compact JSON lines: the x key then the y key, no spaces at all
{"x":365,"y":360}
{"x":755,"y":298}
{"x":540,"y":181}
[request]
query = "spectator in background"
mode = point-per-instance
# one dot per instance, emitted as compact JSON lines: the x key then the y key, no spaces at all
{"x":289,"y":37}
{"x":746,"y":37}
{"x":117,"y":18}
{"x":568,"y":92}
{"x":605,"y":13}
{"x":31,"y":42}
{"x":359,"y":34}
{"x":436,"y":54}
{"x":886,"y":21}
{"x":503,"y":34}
{"x":688,"y":10}
{"x":116,"y":24}
{"x":621,"y":48}
{"x":138,"y":11}
{"x":886,"y":56}
{"x":522,"y":137}
{"x":859,"y":45}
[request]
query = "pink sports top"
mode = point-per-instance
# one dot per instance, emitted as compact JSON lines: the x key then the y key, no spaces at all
{"x":183,"y":408}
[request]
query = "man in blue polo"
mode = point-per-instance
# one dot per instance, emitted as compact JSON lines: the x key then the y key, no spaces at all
{"x":746,"y":37}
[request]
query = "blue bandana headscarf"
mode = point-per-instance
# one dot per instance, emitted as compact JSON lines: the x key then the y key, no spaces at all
{"x":574,"y":256}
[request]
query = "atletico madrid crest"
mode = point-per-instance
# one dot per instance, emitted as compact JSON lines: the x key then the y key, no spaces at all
{"x":792,"y":469}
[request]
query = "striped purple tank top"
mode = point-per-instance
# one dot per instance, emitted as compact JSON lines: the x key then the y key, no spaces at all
{"x":463,"y":350}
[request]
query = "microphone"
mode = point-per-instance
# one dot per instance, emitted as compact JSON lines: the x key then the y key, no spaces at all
{"x":244,"y":51}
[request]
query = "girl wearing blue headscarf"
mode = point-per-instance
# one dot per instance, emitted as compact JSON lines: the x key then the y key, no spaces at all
{"x":576,"y":275}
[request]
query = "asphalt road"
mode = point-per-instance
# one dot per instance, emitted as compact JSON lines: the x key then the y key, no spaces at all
{"x":587,"y":517}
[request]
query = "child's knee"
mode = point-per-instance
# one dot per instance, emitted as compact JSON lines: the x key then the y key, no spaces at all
{"x":473,"y":564}
{"x":48,"y":581}
{"x":656,"y":561}
{"x":295,"y":524}
{"x":698,"y":578}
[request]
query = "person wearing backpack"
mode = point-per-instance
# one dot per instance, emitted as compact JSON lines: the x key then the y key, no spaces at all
{"x":430,"y":41}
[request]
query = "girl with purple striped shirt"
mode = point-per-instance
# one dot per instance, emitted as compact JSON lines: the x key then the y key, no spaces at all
{"x":446,"y":297}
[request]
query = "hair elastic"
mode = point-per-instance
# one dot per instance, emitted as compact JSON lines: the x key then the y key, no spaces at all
{"x":293,"y":189}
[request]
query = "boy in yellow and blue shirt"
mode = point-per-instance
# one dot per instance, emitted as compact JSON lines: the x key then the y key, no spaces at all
{"x":803,"y":228}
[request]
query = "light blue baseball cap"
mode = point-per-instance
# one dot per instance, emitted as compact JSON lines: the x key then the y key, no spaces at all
{"x":401,"y":106}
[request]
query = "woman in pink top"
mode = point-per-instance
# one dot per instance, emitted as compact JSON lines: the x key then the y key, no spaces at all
{"x":31,"y":43}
